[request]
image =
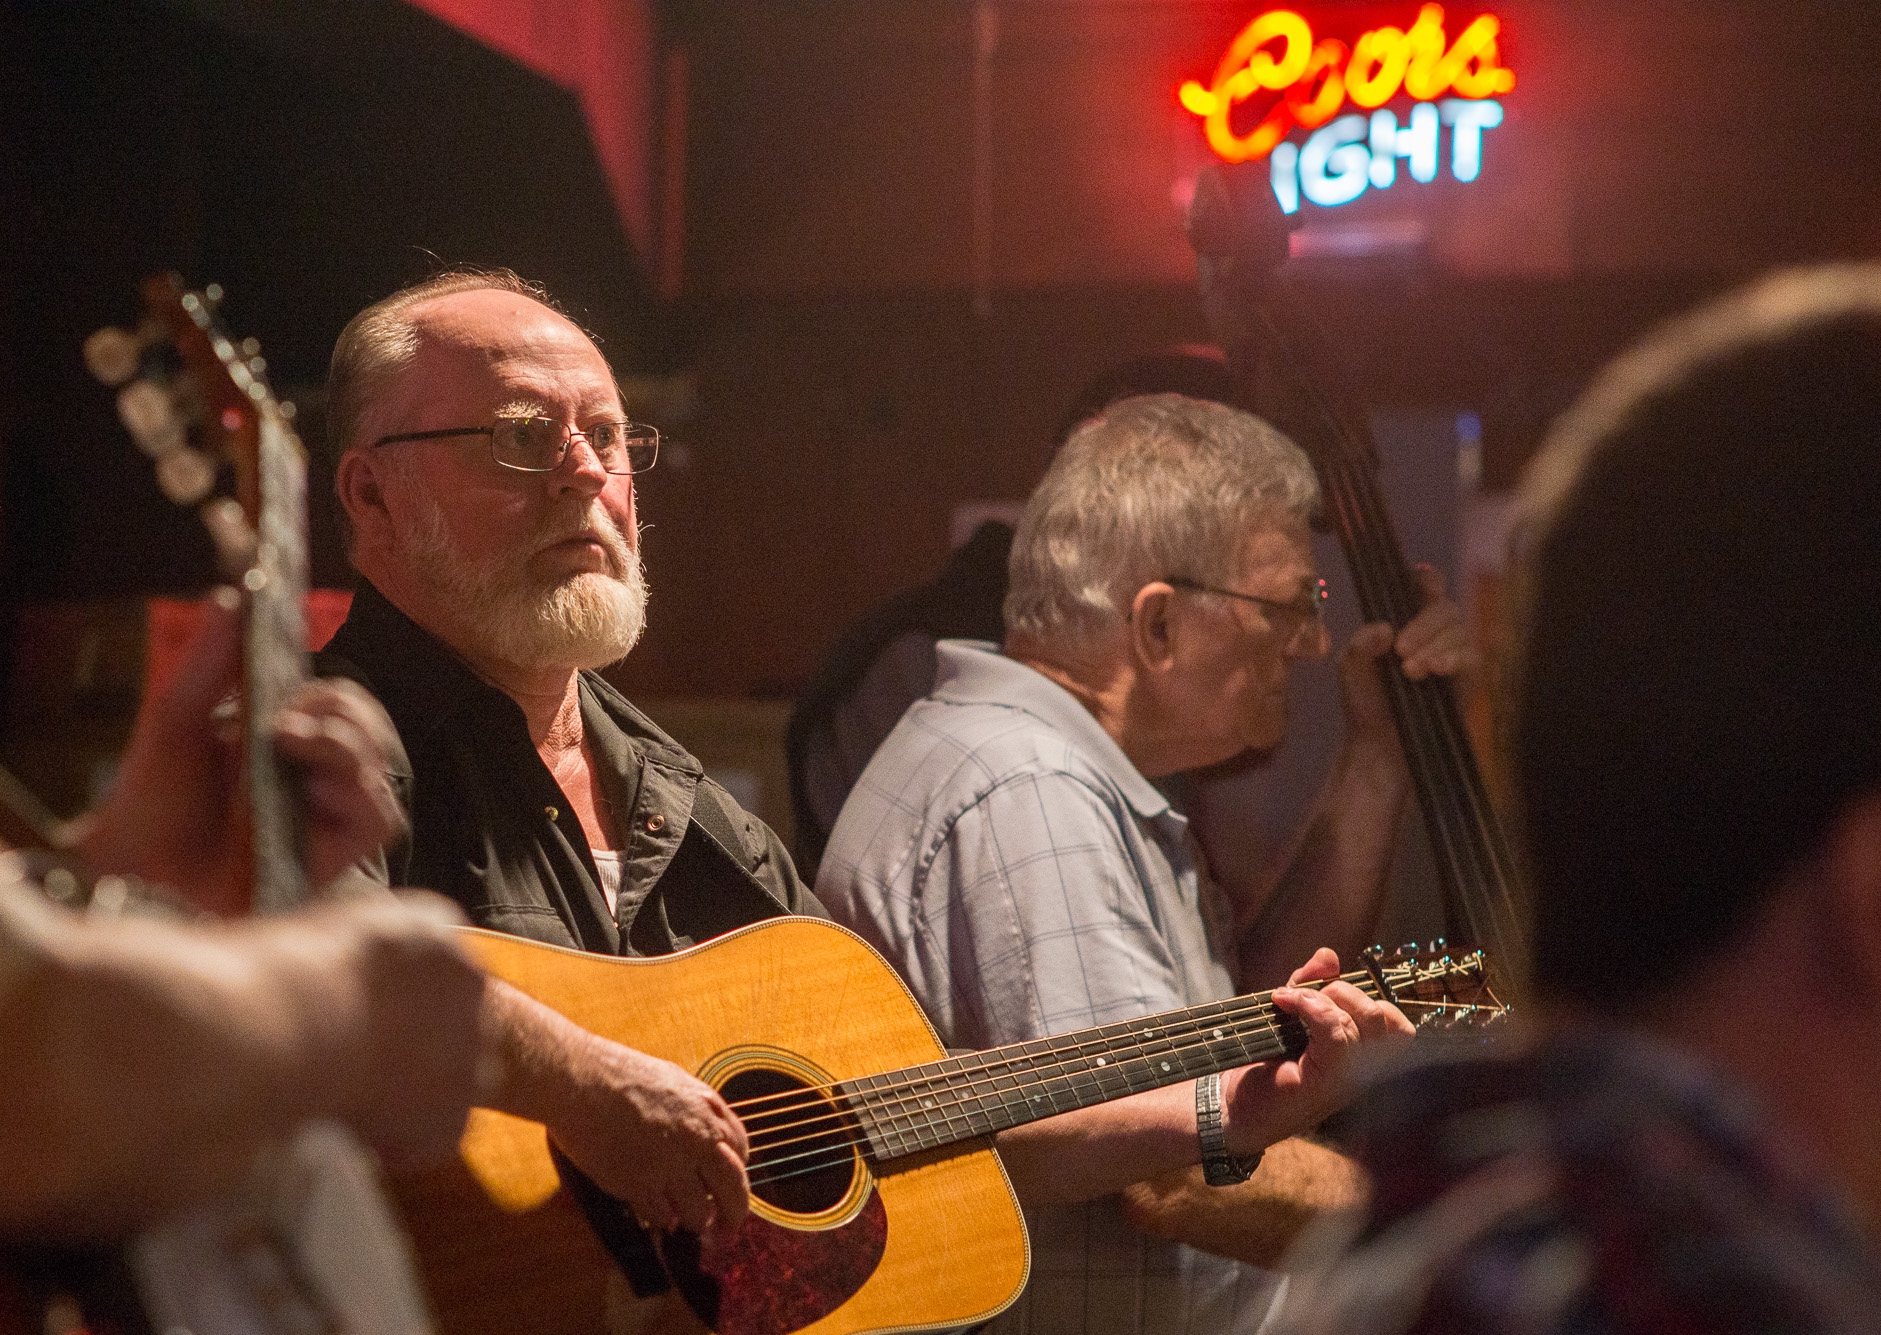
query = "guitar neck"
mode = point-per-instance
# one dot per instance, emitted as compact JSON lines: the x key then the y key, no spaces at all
{"x":962,"y":1098}
{"x":276,"y":660}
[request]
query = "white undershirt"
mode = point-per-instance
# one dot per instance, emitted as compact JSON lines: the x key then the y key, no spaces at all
{"x":607,"y":862}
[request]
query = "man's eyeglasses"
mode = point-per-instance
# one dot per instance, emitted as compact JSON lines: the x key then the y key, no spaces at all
{"x":539,"y":444}
{"x":1309,"y":607}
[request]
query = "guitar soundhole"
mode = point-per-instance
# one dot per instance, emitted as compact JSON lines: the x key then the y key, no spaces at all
{"x":803,"y":1158}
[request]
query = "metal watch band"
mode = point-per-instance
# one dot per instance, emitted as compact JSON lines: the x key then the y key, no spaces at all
{"x":1219,"y":1168}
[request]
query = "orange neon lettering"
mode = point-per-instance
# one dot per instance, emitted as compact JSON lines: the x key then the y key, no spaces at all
{"x":1313,"y":109}
{"x":1276,"y":52}
{"x":1480,"y":72}
{"x":1426,"y":75}
{"x":1248,"y":50}
{"x":1376,"y":70}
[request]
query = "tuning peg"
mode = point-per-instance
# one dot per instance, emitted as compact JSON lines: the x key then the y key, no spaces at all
{"x":234,"y":538}
{"x":213,"y":294}
{"x":185,"y":475}
{"x":149,"y":414}
{"x":112,"y":355}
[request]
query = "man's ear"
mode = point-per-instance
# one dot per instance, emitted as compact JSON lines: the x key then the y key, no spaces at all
{"x":1152,"y":631}
{"x":357,"y":482}
{"x":1852,"y":870}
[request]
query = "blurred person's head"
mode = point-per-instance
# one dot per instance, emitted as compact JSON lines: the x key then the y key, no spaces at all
{"x":1698,"y":736}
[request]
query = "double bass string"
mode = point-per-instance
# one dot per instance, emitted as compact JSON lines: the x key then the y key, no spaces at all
{"x":1434,"y":742}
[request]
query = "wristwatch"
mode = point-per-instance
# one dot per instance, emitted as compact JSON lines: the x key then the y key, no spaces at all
{"x":1219,"y":1168}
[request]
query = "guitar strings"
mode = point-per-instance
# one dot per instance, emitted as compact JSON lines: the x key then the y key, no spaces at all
{"x":1234,"y":1011}
{"x":825,"y":1155}
{"x":953,"y":1085}
{"x":950,"y":1086}
{"x":833,"y":1155}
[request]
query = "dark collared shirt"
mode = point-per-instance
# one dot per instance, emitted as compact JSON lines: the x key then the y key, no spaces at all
{"x":493,"y":830}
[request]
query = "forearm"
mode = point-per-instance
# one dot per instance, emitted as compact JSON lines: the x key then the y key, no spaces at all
{"x":1096,"y":1151}
{"x":1258,"y":1220}
{"x":146,"y":1066}
{"x":1331,"y":884}
{"x":540,"y":1055}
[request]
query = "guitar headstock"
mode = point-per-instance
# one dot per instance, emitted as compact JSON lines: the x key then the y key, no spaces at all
{"x":196,"y":401}
{"x":1435,"y":988}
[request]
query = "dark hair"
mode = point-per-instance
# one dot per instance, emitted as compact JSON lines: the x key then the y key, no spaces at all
{"x":1699,"y":683}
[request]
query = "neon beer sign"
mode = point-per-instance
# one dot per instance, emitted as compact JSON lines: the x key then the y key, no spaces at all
{"x":1306,"y":84}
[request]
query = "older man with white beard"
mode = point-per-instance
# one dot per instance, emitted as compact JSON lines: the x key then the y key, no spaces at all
{"x":485,"y":468}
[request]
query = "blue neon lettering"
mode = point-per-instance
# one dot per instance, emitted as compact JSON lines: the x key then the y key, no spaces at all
{"x":1341,"y":147}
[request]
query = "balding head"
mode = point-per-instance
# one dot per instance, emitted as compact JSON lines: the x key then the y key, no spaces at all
{"x":379,"y":343}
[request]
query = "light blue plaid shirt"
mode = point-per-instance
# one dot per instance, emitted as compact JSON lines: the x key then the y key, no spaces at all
{"x":1004,"y":854}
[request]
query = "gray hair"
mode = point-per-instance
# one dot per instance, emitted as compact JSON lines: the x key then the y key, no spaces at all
{"x":1152,"y":487}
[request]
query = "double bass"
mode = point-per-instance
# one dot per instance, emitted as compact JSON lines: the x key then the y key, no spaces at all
{"x":1282,"y":364}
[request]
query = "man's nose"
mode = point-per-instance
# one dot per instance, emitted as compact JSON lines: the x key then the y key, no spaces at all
{"x":580,"y":469}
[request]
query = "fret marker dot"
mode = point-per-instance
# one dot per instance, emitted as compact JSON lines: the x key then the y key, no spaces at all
{"x":1100,"y":1061}
{"x":1218,"y":1033}
{"x":927,"y":1103}
{"x":1165,"y":1066}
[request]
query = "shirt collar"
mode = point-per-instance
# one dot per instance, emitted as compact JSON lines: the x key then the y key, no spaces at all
{"x":975,"y":672}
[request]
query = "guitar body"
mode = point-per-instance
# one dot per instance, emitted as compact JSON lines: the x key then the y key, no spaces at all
{"x":926,"y":1240}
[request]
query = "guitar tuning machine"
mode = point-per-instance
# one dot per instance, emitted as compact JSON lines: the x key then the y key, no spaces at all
{"x":185,"y":475}
{"x":149,"y":412}
{"x":115,"y":355}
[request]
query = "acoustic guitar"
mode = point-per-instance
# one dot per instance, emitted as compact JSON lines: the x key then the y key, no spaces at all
{"x":877,"y":1200}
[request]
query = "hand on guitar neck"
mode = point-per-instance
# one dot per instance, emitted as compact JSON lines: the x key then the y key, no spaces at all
{"x":173,"y":818}
{"x":148,"y":1061}
{"x":1104,"y":1148}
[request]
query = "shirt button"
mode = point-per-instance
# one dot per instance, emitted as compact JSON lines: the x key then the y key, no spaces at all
{"x":655,"y":823}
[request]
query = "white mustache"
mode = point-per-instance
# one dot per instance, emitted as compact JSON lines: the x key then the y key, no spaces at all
{"x":597,"y":523}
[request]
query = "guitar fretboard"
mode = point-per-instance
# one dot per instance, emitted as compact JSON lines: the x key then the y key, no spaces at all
{"x":276,"y":660}
{"x":960,"y":1098}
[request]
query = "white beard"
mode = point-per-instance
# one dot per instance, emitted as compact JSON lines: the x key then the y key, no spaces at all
{"x":585,"y":620}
